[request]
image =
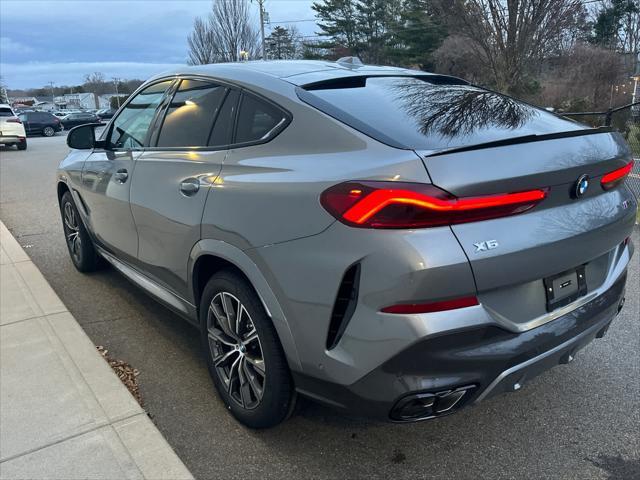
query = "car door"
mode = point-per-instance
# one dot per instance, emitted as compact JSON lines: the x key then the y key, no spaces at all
{"x":24,"y":118}
{"x":106,"y":175}
{"x":175,"y":174}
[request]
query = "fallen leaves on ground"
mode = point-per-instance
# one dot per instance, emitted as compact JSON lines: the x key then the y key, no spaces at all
{"x":125,"y":372}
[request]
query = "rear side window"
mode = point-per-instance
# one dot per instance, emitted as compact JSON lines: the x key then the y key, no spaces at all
{"x":5,"y":112}
{"x":190,"y":116}
{"x":257,"y":120}
{"x":223,"y":129}
{"x":409,"y":112}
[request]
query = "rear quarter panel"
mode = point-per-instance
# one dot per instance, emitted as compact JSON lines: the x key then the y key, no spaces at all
{"x":269,"y":193}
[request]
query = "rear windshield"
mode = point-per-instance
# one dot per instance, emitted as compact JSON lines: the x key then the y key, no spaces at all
{"x":5,"y":112}
{"x":412,"y":113}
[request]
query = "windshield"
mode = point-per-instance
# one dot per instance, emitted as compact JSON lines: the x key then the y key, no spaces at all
{"x":413,"y":113}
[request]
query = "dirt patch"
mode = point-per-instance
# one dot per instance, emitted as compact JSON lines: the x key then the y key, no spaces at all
{"x":125,"y":372}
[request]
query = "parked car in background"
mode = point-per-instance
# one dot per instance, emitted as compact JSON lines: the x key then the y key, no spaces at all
{"x":429,"y":245}
{"x":106,"y":113}
{"x":61,"y":114}
{"x":41,"y":123}
{"x":11,"y":129}
{"x":75,"y":119}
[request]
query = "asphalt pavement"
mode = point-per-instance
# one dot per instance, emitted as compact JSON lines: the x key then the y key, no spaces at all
{"x":577,"y":421}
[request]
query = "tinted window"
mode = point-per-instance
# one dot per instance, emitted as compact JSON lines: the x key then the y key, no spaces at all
{"x":223,"y":129}
{"x":5,"y":112}
{"x":190,"y":115}
{"x":414,"y":113}
{"x":256,"y":119}
{"x":130,"y":127}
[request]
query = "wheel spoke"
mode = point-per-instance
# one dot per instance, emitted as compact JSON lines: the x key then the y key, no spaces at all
{"x":233,"y":372}
{"x":221,"y":320}
{"x":243,"y":385}
{"x":219,"y":336}
{"x":239,"y":313}
{"x":252,"y":380}
{"x":257,"y":364}
{"x":75,"y":245}
{"x":231,"y":312}
{"x":220,"y":360}
{"x":251,"y":336}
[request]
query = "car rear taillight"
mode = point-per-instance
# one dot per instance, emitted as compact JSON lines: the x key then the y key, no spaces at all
{"x":414,"y":205}
{"x":13,"y":120}
{"x":412,"y":308}
{"x":612,"y":179}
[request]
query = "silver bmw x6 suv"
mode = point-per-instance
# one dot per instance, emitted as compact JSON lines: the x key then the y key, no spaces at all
{"x":390,"y":242}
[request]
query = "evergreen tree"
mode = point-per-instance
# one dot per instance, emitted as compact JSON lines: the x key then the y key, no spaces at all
{"x":418,"y":35}
{"x":337,"y":20}
{"x":616,"y":25}
{"x":281,"y":44}
{"x":402,"y":32}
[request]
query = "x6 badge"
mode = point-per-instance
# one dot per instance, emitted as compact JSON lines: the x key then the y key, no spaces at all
{"x":484,"y":246}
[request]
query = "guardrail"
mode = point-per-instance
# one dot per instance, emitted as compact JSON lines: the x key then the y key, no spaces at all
{"x":623,"y":119}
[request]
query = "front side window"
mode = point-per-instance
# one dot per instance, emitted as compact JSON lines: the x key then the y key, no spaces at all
{"x":5,"y":112}
{"x":257,"y":120}
{"x":130,"y":128}
{"x":190,"y":116}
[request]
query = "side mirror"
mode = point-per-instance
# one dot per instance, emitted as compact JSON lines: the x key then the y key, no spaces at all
{"x":83,"y":137}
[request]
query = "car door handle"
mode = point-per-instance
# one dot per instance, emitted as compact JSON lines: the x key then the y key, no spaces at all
{"x":189,"y":186}
{"x":121,"y":175}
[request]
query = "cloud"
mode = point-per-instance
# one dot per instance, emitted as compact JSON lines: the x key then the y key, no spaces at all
{"x":37,"y":74}
{"x":8,"y":45}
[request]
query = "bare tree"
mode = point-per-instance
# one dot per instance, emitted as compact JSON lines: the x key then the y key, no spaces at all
{"x":582,"y":80}
{"x":96,"y":83}
{"x":509,"y":36}
{"x":226,"y":32}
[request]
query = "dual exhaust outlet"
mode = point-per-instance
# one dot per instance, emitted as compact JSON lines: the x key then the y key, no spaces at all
{"x":422,"y":406}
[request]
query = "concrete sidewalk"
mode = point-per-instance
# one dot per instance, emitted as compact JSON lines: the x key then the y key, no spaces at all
{"x":64,"y":414}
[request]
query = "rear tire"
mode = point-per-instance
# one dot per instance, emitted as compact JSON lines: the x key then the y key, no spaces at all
{"x":81,"y":250}
{"x":22,"y":145}
{"x":48,"y":131}
{"x":244,"y":355}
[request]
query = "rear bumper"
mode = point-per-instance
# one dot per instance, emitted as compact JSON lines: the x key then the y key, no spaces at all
{"x":489,"y":359}
{"x":11,"y":139}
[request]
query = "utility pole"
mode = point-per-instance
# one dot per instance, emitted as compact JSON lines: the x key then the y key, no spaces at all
{"x":115,"y":81}
{"x":53,"y":98}
{"x":262,"y":20}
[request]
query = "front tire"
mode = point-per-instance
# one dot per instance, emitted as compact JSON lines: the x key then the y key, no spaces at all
{"x":81,"y":250}
{"x":243,"y":352}
{"x":48,"y":131}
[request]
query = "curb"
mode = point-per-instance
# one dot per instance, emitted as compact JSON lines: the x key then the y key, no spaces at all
{"x":63,"y":411}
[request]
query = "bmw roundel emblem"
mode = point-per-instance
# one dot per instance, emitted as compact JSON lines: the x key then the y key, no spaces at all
{"x":581,"y":186}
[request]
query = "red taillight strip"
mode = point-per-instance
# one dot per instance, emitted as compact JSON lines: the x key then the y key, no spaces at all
{"x":612,"y":178}
{"x":379,"y":199}
{"x":412,"y":308}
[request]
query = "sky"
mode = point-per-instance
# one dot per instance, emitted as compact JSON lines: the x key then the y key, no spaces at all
{"x":62,"y":41}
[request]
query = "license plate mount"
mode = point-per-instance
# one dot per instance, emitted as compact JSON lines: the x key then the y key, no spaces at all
{"x":565,"y":287}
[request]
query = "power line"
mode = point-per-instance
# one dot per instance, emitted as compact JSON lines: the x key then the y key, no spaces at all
{"x":293,"y":21}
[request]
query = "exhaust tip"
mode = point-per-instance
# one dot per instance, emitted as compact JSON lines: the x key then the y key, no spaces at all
{"x":422,"y":406}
